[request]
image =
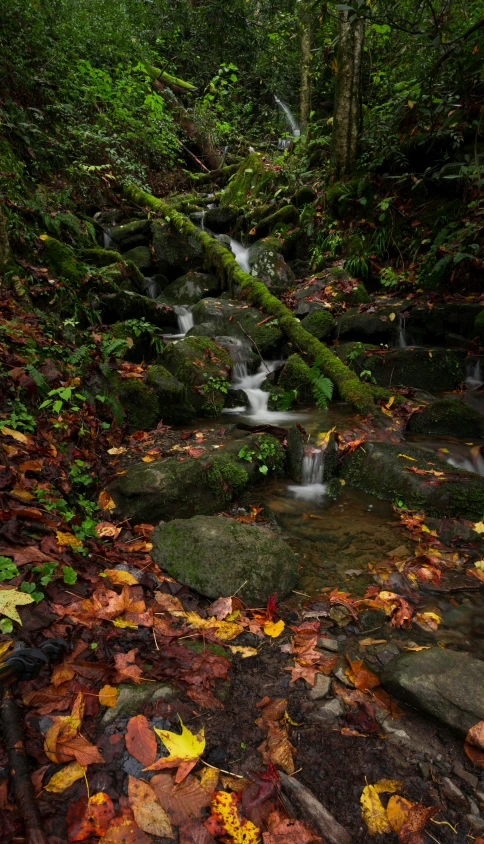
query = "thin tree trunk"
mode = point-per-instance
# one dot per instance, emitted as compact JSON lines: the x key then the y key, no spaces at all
{"x":305,"y":93}
{"x":346,"y":121}
{"x":4,"y":244}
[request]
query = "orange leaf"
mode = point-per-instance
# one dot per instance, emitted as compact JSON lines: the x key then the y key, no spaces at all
{"x":98,"y":813}
{"x":123,"y":829}
{"x":105,"y":502}
{"x":141,"y":740}
{"x":108,"y":696}
{"x":125,"y":664}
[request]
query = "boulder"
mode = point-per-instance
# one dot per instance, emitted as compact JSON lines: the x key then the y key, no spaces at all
{"x":267,"y":264}
{"x":139,"y":403}
{"x":221,"y":220}
{"x":125,"y":305}
{"x":446,"y":684}
{"x":388,"y":472}
{"x":217,"y":556}
{"x":369,"y":328}
{"x":287,"y":215}
{"x":141,"y":258}
{"x":447,"y":417}
{"x":119,"y":234}
{"x":431,"y":324}
{"x":190,"y":288}
{"x":125,"y":275}
{"x":296,"y":376}
{"x":174,"y":407}
{"x":253,"y":179}
{"x":61,"y":259}
{"x":320,"y":323}
{"x":230,"y":317}
{"x":97,"y":257}
{"x":171,"y":488}
{"x":332,"y":285}
{"x":433,"y":370}
{"x":140,"y":346}
{"x":204,"y":368}
{"x":175,"y":253}
{"x":303,"y":196}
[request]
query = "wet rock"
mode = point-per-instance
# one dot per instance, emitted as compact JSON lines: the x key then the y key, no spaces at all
{"x":267,"y":264}
{"x":139,"y":344}
{"x":328,"y":644}
{"x":221,"y":220}
{"x":415,"y":736}
{"x":173,"y":405}
{"x":131,"y":699}
{"x":206,"y":384}
{"x":328,"y":711}
{"x":320,"y":323}
{"x":175,"y":253}
{"x":141,"y":258}
{"x":321,"y":687}
{"x":138,"y":401}
{"x":386,"y":653}
{"x":125,"y":305}
{"x":120,"y":234}
{"x":231,"y":317}
{"x":431,"y":324}
{"x":447,"y":417}
{"x":452,"y":530}
{"x":286,"y":215}
{"x":296,"y":443}
{"x":215,"y":556}
{"x":297,"y":376}
{"x":452,"y":791}
{"x":190,"y":288}
{"x":377,"y":468}
{"x":333,"y":284}
{"x":368,"y":328}
{"x":435,"y":369}
{"x":446,"y":684}
{"x":469,"y":778}
{"x":339,"y":673}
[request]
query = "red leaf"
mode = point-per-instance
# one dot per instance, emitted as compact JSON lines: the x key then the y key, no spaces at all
{"x":141,"y":740}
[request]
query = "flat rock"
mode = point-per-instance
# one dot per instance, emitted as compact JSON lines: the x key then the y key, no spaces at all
{"x":321,"y":687}
{"x":131,"y":699}
{"x":328,"y":711}
{"x":446,"y":684}
{"x":217,"y":556}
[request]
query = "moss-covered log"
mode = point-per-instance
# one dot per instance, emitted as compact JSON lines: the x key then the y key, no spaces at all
{"x":349,"y":386}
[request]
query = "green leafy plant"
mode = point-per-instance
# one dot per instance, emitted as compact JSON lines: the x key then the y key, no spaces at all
{"x":322,"y":387}
{"x":62,"y":399}
{"x":20,"y":419}
{"x":8,"y":569}
{"x":46,"y":573}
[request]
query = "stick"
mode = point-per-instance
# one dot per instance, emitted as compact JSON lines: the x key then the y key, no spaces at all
{"x":185,"y":149}
{"x":316,"y":813}
{"x":22,"y":783}
{"x":256,"y":346}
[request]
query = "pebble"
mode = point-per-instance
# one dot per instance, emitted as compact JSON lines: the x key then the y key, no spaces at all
{"x":340,"y":674}
{"x":321,"y":687}
{"x":465,"y":775}
{"x":328,"y":644}
{"x":452,"y":790}
{"x":328,"y":711}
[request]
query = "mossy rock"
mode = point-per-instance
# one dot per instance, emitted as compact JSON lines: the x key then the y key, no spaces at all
{"x":252,"y":181}
{"x":205,"y":368}
{"x":370,"y":328}
{"x":221,"y":220}
{"x":432,"y":324}
{"x":173,"y":404}
{"x":319,"y":323}
{"x":337,"y":286}
{"x":231,"y":317}
{"x":139,"y":403}
{"x":286,"y":214}
{"x":379,"y":468}
{"x":61,"y":259}
{"x":126,"y":276}
{"x":218,"y":556}
{"x":139,"y":345}
{"x":448,"y":417}
{"x":268,"y":265}
{"x":124,"y":304}
{"x":120,"y":234}
{"x":190,"y":288}
{"x":433,"y":370}
{"x":358,"y":295}
{"x":343,"y":198}
{"x":479,"y":325}
{"x":175,"y":253}
{"x":303,"y":196}
{"x":140,"y":257}
{"x":97,"y":257}
{"x":296,"y":376}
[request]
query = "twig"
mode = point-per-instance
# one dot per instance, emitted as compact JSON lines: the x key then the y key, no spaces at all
{"x":316,"y":813}
{"x":230,"y":774}
{"x":22,"y":783}
{"x":200,"y":163}
{"x":256,"y":346}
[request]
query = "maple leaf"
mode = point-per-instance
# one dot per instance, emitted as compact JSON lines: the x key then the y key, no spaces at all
{"x":89,"y":817}
{"x":126,"y":667}
{"x":185,"y":749}
{"x":186,"y":800}
{"x":10,"y":599}
{"x":148,"y":814}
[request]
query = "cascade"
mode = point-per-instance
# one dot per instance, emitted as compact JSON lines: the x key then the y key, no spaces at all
{"x":290,"y":117}
{"x":251,"y":385}
{"x":402,"y":340}
{"x":312,"y":485}
{"x":152,"y":288}
{"x":474,"y":378}
{"x":241,"y":255}
{"x":185,"y":319}
{"x":473,"y":464}
{"x":108,"y":242}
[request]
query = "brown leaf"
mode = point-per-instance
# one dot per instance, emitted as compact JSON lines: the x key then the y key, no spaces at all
{"x":123,"y":829}
{"x":185,"y":801}
{"x":288,"y":831}
{"x":125,"y":664}
{"x":141,"y":740}
{"x":148,"y":814}
{"x":474,"y":744}
{"x":194,"y":832}
{"x":89,"y":817}
{"x":412,"y":831}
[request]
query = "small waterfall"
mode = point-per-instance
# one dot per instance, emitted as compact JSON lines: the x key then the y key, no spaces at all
{"x":251,"y":385}
{"x":108,"y":242}
{"x":290,"y":117}
{"x":474,"y":378}
{"x":312,"y":475}
{"x":474,"y":464}
{"x":152,"y":288}
{"x":185,"y":319}
{"x":402,"y":340}
{"x":241,"y":255}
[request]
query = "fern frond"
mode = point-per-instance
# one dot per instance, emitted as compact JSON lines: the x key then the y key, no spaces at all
{"x":322,"y":389}
{"x":36,"y":376}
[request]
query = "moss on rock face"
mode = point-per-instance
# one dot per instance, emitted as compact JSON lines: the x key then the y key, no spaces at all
{"x":296,"y":376}
{"x":119,"y":234}
{"x":140,"y":257}
{"x":286,"y":214}
{"x":358,"y":295}
{"x":233,"y":318}
{"x":319,"y":323}
{"x":174,"y":407}
{"x":190,"y":288}
{"x":139,"y":403}
{"x":268,"y":265}
{"x":124,"y":305}
{"x":218,"y":556}
{"x":253,"y":180}
{"x":433,"y":370}
{"x":379,"y":468}
{"x":126,"y":276}
{"x":61,"y":259}
{"x":221,"y":220}
{"x":303,"y":196}
{"x":175,"y":252}
{"x":204,"y":367}
{"x":139,"y":345}
{"x":447,"y":417}
{"x":97,"y":257}
{"x":373,"y":328}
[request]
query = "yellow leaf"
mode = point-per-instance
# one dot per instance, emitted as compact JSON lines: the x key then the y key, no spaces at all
{"x":391,"y":317}
{"x":274,"y":628}
{"x":24,"y":494}
{"x":479,"y":527}
{"x":243,"y":652}
{"x":407,"y":457}
{"x":16,"y":435}
{"x":10,"y":599}
{"x":410,"y":103}
{"x":66,"y":777}
{"x":418,"y":648}
{"x":105,"y":502}
{"x":479,"y":564}
{"x":289,"y":720}
{"x":334,"y":66}
{"x":184,"y":749}
{"x":225,"y":809}
{"x":225,"y":630}
{"x":108,"y":696}
{"x":390,"y":402}
{"x":118,"y":577}
{"x":398,"y":811}
{"x":428,"y":620}
{"x":149,"y":458}
{"x":5,"y":646}
{"x":323,"y":438}
{"x":68,"y":539}
{"x":123,"y":623}
{"x":372,"y":808}
{"x":120,"y":450}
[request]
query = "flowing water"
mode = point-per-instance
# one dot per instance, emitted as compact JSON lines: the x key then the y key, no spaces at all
{"x":241,"y":255}
{"x":185,"y":319}
{"x":289,"y":117}
{"x":152,"y":288}
{"x":474,"y":378}
{"x":108,"y":242}
{"x":258,"y":399}
{"x":312,"y":487}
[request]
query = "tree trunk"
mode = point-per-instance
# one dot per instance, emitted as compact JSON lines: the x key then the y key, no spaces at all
{"x":305,"y":93}
{"x":4,"y":244}
{"x":346,"y":119}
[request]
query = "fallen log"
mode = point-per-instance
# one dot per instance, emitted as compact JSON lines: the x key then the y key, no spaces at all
{"x":361,"y":396}
{"x":314,"y":811}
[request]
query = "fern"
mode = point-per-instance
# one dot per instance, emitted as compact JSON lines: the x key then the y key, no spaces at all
{"x":322,"y":387}
{"x":36,"y":376}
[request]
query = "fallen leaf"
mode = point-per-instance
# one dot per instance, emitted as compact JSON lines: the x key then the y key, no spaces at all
{"x":474,"y":744}
{"x":372,"y":808}
{"x":68,"y":539}
{"x":95,"y":819}
{"x":274,"y":628}
{"x":125,"y":665}
{"x":243,"y":652}
{"x":288,"y":831}
{"x":108,"y":696}
{"x":16,"y":435}
{"x":184,"y":749}
{"x":148,"y":814}
{"x":186,"y":800}
{"x":123,"y":829}
{"x":104,"y":529}
{"x":10,"y":599}
{"x":105,"y":502}
{"x":194,"y":832}
{"x":118,"y":577}
{"x":225,"y":818}
{"x":64,"y":778}
{"x":141,"y":740}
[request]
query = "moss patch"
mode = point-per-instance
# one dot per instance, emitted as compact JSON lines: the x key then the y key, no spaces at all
{"x":319,"y":323}
{"x":61,"y":259}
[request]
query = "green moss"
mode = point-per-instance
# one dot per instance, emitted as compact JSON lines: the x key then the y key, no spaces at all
{"x":479,"y":325}
{"x":296,"y":376}
{"x":357,"y":296}
{"x":200,"y":647}
{"x":448,"y":417}
{"x":193,"y":357}
{"x":139,"y":402}
{"x":303,"y":196}
{"x":61,"y":259}
{"x":98,"y":257}
{"x":227,"y":472}
{"x":319,"y":323}
{"x":252,"y":180}
{"x":286,"y":214}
